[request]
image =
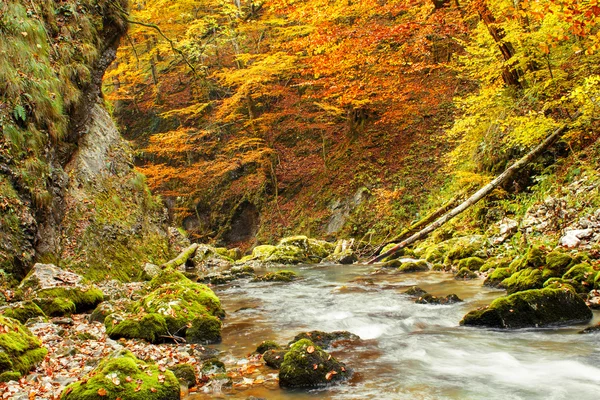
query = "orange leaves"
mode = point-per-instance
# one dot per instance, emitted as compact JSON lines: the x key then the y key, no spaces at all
{"x":102,"y":392}
{"x":330,"y":375}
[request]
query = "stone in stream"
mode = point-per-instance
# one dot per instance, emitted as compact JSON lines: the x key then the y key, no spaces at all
{"x":274,"y":358}
{"x":431,"y":299}
{"x":306,"y":365}
{"x":536,"y":308}
{"x":325,"y":339}
{"x":415,"y":291}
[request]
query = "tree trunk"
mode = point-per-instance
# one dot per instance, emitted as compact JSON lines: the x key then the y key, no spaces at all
{"x":181,"y":258}
{"x":480,"y":194}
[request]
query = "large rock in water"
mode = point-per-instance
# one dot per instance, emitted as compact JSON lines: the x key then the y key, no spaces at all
{"x":19,"y":350}
{"x":306,"y":365}
{"x":532,"y":309}
{"x":123,"y":376}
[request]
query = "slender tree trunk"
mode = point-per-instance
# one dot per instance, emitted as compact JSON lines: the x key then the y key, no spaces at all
{"x":480,"y":194}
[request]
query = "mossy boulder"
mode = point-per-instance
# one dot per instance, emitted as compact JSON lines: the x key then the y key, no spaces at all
{"x":151,"y":327}
{"x":306,"y":365}
{"x":345,"y":257}
{"x":279,"y":276}
{"x":436,"y":253}
{"x":185,"y":374}
{"x":464,"y":247}
{"x":558,"y":262}
{"x":56,"y":307}
{"x":471,"y":263}
{"x":123,"y":376}
{"x":213,"y":366}
{"x":583,"y":273}
{"x":496,"y":278}
{"x":525,"y":279}
{"x":494,"y":263}
{"x":392,"y":264}
{"x":288,"y":254}
{"x":167,"y":276}
{"x":414,"y":266}
{"x":465,"y":274}
{"x":325,"y":339}
{"x":274,"y":358}
{"x":531,"y":309}
{"x":20,"y":351}
{"x":22,"y":311}
{"x":534,"y":258}
{"x":47,"y":281}
{"x":267,"y":345}
{"x":263,"y":252}
{"x":189,"y":309}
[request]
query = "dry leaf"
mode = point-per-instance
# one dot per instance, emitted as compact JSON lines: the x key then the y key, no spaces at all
{"x":102,"y":392}
{"x":310,"y":349}
{"x":128,"y":379}
{"x":330,"y":374}
{"x":153,"y":390}
{"x":161,"y":378}
{"x":315,"y":366}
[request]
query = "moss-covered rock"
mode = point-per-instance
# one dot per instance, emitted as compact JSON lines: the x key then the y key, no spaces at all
{"x":84,"y":298}
{"x":185,"y":374}
{"x":530,"y":309}
{"x":430,"y":299}
{"x":288,"y":254}
{"x":20,"y":351}
{"x":10,"y":376}
{"x":392,"y":264}
{"x":267,"y":345}
{"x":56,"y":307}
{"x":525,"y":279}
{"x":464,"y":247}
{"x":151,"y":327}
{"x":534,"y":258}
{"x":167,"y":276}
{"x":496,"y":278}
{"x":414,"y":266}
{"x":274,"y":358}
{"x":415,"y":291}
{"x":124,"y":376}
{"x":263,"y":252}
{"x":279,"y":276}
{"x":465,"y":274}
{"x":494,"y":263}
{"x":471,"y":263}
{"x":325,"y":339}
{"x":577,"y":286}
{"x":558,"y":262}
{"x":22,"y":311}
{"x":213,"y":366}
{"x":205,"y":330}
{"x":306,"y":365}
{"x":436,"y":253}
{"x":583,"y":273}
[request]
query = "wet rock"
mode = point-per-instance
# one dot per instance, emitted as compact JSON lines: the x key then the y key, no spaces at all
{"x":267,"y":345}
{"x":415,"y":291}
{"x":525,"y":279}
{"x":274,"y":358}
{"x":279,"y":276}
{"x":430,"y":299}
{"x":558,"y":262}
{"x":325,"y":339}
{"x":124,"y":376}
{"x":414,"y":266}
{"x":471,"y":263}
{"x":306,"y":365}
{"x":343,"y":253}
{"x":185,"y":374}
{"x":465,"y":274}
{"x":496,"y":278}
{"x":213,"y":366}
{"x":20,"y":351}
{"x":531,"y":309}
{"x":392,"y":264}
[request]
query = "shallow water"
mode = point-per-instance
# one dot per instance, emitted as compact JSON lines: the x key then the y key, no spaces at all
{"x":408,"y":351}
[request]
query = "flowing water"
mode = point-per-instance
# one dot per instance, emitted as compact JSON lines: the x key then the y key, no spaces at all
{"x":408,"y":350}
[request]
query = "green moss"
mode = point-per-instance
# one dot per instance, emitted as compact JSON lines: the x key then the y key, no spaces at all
{"x":584,"y":274}
{"x":166,"y":277}
{"x":417,"y":266}
{"x":471,"y":263}
{"x":464,"y":247}
{"x":262,"y":252}
{"x":577,"y":286}
{"x":85,"y":299}
{"x":213,"y":366}
{"x":204,"y":330}
{"x":558,"y":262}
{"x":10,"y":376}
{"x":436,"y":253}
{"x":525,"y":279}
{"x":267,"y":345}
{"x":185,"y":374}
{"x":56,"y":307}
{"x":392,"y":264}
{"x":279,"y":276}
{"x":151,"y":327}
{"x":497,"y":276}
{"x":324,"y":339}
{"x":23,"y":311}
{"x":274,"y":358}
{"x":20,"y":351}
{"x":465,"y":274}
{"x":298,"y":367}
{"x":137,"y":381}
{"x":288,"y":254}
{"x":534,"y":258}
{"x":532,"y":308}
{"x":494,"y":263}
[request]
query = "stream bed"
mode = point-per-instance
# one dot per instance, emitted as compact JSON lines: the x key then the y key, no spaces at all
{"x":408,"y":350}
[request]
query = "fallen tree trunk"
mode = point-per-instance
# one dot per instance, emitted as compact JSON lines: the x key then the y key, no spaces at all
{"x":181,"y":258}
{"x":480,"y":194}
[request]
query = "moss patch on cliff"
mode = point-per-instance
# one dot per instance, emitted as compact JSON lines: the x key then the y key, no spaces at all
{"x":19,"y":349}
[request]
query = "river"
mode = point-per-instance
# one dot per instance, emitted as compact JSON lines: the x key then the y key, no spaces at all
{"x":408,"y":350}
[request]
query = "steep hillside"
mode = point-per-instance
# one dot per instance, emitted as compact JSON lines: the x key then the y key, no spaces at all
{"x":262,"y":119}
{"x":68,"y":192}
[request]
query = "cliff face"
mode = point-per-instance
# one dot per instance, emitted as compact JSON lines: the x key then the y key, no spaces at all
{"x":68,"y":191}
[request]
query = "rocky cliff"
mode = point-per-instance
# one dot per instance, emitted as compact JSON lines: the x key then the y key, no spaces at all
{"x":68,"y":191}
